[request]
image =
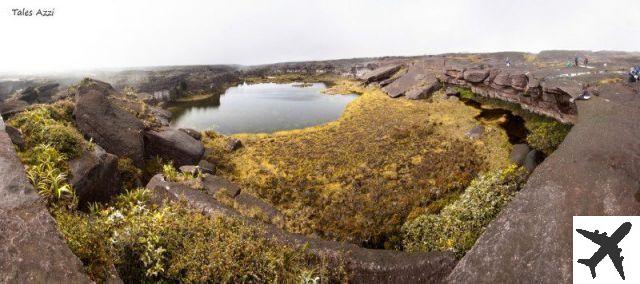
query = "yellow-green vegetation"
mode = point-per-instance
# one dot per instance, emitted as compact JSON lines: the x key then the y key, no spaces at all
{"x":142,"y":242}
{"x":546,"y":134}
{"x":460,"y":223}
{"x":52,"y":125}
{"x":358,"y":179}
{"x":170,"y":243}
{"x":130,"y":175}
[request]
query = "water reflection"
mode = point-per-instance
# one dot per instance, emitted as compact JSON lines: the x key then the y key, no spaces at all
{"x":261,"y":108}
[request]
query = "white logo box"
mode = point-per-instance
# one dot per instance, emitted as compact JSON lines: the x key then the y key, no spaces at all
{"x":584,"y":248}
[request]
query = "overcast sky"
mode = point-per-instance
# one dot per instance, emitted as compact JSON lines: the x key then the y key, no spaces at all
{"x":122,"y":33}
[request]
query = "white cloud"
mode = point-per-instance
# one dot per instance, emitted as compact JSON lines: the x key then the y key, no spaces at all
{"x":120,"y":33}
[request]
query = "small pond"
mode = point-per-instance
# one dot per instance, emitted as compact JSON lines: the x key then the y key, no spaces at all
{"x":261,"y":108}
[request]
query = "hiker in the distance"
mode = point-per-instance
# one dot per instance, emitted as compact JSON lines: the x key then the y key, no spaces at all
{"x":576,"y":61}
{"x":508,"y":62}
{"x":586,"y":61}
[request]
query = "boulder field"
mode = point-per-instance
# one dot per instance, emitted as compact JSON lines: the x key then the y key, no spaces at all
{"x":595,"y":171}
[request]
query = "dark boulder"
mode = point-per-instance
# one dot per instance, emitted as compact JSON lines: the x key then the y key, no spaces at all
{"x":12,"y":106}
{"x":16,"y":136}
{"x":207,"y":167}
{"x":233,"y":144}
{"x":95,"y":176}
{"x":502,"y":79}
{"x":173,"y":145}
{"x":519,"y":153}
{"x":412,"y":78}
{"x":532,"y":160}
{"x":451,"y":91}
{"x":475,"y":75}
{"x":214,"y":184}
{"x":40,"y":94}
{"x":519,"y":81}
{"x":475,"y":132}
{"x":381,"y":73}
{"x":425,"y":90}
{"x":192,"y":132}
{"x":108,"y":125}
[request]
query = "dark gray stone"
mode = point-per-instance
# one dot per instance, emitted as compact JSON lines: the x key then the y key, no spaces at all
{"x":381,"y":73}
{"x":533,"y":158}
{"x":475,"y":132}
{"x":213,"y":184}
{"x":95,"y":176}
{"x":173,"y":145}
{"x":475,"y":75}
{"x":424,"y":90}
{"x":12,"y":106}
{"x":233,"y":144}
{"x":114,"y":129}
{"x":16,"y":136}
{"x":519,"y":153}
{"x":192,"y":132}
{"x":207,"y":167}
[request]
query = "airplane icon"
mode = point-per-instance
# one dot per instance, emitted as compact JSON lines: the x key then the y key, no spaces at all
{"x":608,"y":246}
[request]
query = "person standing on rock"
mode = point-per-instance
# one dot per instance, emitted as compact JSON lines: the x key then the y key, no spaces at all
{"x":508,"y":62}
{"x":576,"y":61}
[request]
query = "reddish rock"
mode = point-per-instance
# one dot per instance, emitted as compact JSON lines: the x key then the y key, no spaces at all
{"x":475,"y":75}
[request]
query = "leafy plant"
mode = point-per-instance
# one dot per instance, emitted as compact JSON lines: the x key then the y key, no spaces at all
{"x":46,"y":171}
{"x":459,"y":224}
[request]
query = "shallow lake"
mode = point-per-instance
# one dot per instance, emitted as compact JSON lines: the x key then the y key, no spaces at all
{"x":261,"y":108}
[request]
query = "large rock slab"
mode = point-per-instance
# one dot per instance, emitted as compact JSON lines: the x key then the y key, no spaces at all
{"x":414,"y":75}
{"x":95,"y":176}
{"x":108,"y":125}
{"x":31,"y":248}
{"x":173,"y":145}
{"x":475,"y":75}
{"x":381,"y":73}
{"x":595,"y":171}
{"x":425,"y":89}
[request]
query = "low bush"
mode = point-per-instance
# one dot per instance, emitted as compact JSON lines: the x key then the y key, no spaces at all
{"x":130,"y":175}
{"x":47,"y":172}
{"x":174,"y":244}
{"x":460,"y":223}
{"x":546,"y":134}
{"x":52,"y":125}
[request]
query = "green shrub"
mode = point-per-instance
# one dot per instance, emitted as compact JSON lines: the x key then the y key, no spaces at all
{"x":52,"y":125}
{"x":130,"y":175}
{"x":46,"y":170}
{"x":546,"y":134}
{"x":175,"y":244}
{"x":460,"y":223}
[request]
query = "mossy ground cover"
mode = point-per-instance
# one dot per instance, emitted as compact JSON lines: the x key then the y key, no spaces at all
{"x":360,"y":178}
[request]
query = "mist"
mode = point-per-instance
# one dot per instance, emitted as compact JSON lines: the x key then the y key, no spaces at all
{"x":116,"y":33}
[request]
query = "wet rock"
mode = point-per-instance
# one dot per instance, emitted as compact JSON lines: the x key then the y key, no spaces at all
{"x":233,"y":144}
{"x":173,"y":145}
{"x":192,"y":132}
{"x":214,"y":184}
{"x":381,"y":73}
{"x":533,"y":158}
{"x":207,"y":167}
{"x":16,"y":136}
{"x":475,"y":75}
{"x":95,"y":176}
{"x":31,"y":248}
{"x":475,"y":132}
{"x":519,"y":153}
{"x":113,"y":128}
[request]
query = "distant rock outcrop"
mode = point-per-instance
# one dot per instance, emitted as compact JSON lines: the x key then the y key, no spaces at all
{"x":381,"y":73}
{"x":108,"y":125}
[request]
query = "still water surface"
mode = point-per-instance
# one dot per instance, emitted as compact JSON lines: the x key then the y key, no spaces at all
{"x":261,"y":108}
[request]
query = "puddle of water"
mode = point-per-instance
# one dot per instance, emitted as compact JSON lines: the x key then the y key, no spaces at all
{"x":261,"y":108}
